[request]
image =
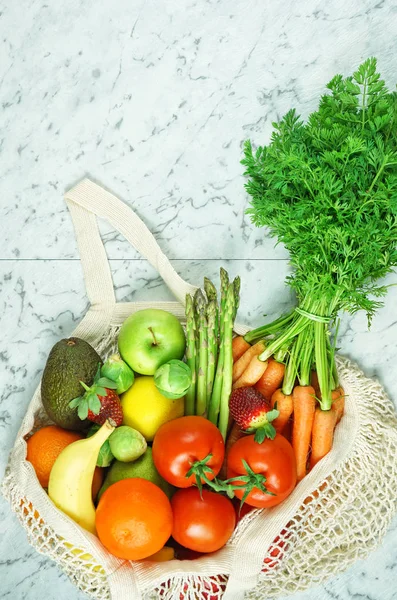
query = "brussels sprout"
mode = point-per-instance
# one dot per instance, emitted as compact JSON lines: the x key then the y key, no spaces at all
{"x":119,"y":372}
{"x":105,"y":456}
{"x":173,"y":379}
{"x":127,"y":444}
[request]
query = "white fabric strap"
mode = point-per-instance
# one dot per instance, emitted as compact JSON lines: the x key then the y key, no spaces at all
{"x":94,"y":200}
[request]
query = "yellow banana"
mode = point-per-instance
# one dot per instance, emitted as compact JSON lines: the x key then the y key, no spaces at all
{"x":71,"y":478}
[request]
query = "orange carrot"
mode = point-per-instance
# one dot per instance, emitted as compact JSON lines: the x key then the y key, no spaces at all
{"x":242,"y":363}
{"x":252,"y":373}
{"x":338,"y":403}
{"x":304,"y":406}
{"x":322,"y":434}
{"x":239,"y":346}
{"x":284,"y":406}
{"x":271,"y":379}
{"x":235,"y":434}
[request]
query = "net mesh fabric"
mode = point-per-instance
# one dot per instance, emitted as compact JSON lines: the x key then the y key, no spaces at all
{"x":341,"y":520}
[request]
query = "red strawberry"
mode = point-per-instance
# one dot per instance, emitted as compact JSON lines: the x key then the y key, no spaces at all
{"x":99,"y":402}
{"x":252,"y":412}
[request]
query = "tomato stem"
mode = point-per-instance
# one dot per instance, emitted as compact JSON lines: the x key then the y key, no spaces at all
{"x":251,"y":480}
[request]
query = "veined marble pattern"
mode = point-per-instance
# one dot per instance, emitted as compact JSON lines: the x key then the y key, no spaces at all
{"x":154,"y":100}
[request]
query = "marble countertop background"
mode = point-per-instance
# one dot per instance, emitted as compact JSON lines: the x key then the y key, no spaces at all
{"x":153,"y":99}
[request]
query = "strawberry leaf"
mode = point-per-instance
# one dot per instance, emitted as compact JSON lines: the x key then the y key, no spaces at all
{"x":82,"y":410}
{"x":100,"y":391}
{"x":75,"y":402}
{"x":106,"y":382}
{"x":94,"y":404}
{"x":272,"y":414}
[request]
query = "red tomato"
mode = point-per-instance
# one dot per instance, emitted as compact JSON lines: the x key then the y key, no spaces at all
{"x":203,"y":524}
{"x":181,"y":442}
{"x":274,"y":459}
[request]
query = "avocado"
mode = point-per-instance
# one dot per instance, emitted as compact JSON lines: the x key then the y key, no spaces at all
{"x":70,"y":361}
{"x":142,"y":467}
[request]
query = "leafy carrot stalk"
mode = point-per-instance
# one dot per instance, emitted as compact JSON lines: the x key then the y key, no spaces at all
{"x":252,"y":373}
{"x":271,"y":379}
{"x":338,"y":403}
{"x":304,"y":407}
{"x":322,"y":434}
{"x":239,"y":346}
{"x":284,"y":404}
{"x":242,"y":363}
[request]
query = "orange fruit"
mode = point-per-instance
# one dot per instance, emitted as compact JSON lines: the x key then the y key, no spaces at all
{"x":97,"y":481}
{"x":133,"y":519}
{"x":44,"y":447}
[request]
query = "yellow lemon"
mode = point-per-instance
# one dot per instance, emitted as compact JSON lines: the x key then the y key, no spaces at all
{"x":146,"y":409}
{"x":165,"y":554}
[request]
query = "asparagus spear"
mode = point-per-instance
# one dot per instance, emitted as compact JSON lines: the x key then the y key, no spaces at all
{"x":212,"y":347}
{"x":213,"y":408}
{"x":228,"y":360}
{"x":236,"y":290}
{"x":212,"y":296}
{"x":214,"y":403}
{"x":224,"y":288}
{"x":199,"y":303}
{"x":201,"y":395}
{"x":191,"y":354}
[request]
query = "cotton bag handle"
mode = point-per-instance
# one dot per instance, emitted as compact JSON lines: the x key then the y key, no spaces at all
{"x":86,"y":201}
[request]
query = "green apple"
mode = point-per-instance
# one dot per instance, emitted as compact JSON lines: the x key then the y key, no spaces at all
{"x":149,"y":338}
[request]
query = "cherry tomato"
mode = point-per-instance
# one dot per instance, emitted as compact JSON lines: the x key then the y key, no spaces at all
{"x":274,"y":459}
{"x":203,"y":524}
{"x":180,"y":443}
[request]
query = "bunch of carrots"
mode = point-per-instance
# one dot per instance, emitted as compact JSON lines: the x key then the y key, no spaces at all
{"x":300,"y":418}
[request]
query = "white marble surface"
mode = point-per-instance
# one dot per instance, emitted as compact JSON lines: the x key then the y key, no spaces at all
{"x":153,"y":99}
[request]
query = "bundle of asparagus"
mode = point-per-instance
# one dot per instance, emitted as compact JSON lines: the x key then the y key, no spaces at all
{"x":209,"y":333}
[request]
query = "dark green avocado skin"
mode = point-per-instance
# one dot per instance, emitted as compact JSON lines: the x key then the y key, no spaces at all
{"x":70,"y":361}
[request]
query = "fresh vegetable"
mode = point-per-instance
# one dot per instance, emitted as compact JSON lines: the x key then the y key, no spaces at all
{"x":173,"y":379}
{"x":212,"y":340}
{"x":146,"y":409}
{"x":127,"y":444}
{"x":209,"y":331}
{"x":188,"y":451}
{"x":99,"y":402}
{"x":227,"y":368}
{"x":253,"y":413}
{"x":239,"y":346}
{"x":285,"y":406}
{"x":71,"y":478}
{"x":118,"y":371}
{"x":70,"y":361}
{"x":338,"y":403}
{"x":272,"y":463}
{"x":203,"y":521}
{"x":326,"y":189}
{"x":150,"y":338}
{"x":324,"y":422}
{"x":191,"y":328}
{"x":245,"y":359}
{"x":252,"y":373}
{"x":271,"y":379}
{"x":134,"y":519}
{"x":304,"y":407}
{"x":105,"y":456}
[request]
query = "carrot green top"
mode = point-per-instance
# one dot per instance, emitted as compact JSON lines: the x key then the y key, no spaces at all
{"x":327,"y":189}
